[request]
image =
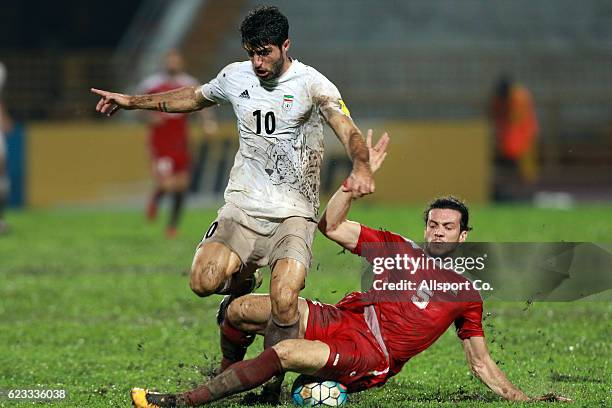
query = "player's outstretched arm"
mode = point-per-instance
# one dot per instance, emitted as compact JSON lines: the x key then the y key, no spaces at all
{"x":360,"y":182}
{"x":333,"y":223}
{"x":483,"y":367}
{"x":186,"y":99}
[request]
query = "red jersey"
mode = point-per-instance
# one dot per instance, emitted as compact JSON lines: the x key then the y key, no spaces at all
{"x":168,"y":137}
{"x":412,"y":320}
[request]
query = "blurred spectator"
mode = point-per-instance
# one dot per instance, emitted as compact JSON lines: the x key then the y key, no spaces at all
{"x":5,"y":126}
{"x":168,"y":140}
{"x":516,"y":127}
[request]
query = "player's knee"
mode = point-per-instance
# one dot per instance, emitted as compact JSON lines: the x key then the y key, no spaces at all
{"x":235,"y":312}
{"x":182,"y":183}
{"x":164,"y":184}
{"x":199,"y":288}
{"x":174,"y":185}
{"x":204,"y":278}
{"x":285,"y":350}
{"x":232,"y":316}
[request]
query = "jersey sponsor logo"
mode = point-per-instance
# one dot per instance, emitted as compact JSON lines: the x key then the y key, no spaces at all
{"x":287,"y":102}
{"x":244,"y":94}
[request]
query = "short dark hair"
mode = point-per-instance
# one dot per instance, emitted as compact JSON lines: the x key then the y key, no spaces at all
{"x":452,"y":203}
{"x":263,"y":26}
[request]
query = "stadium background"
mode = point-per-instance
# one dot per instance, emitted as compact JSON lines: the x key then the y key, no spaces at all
{"x":422,"y":70}
{"x":82,"y":275}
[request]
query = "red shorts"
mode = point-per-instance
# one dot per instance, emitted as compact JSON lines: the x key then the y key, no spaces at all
{"x":170,"y":164}
{"x":355,"y":359}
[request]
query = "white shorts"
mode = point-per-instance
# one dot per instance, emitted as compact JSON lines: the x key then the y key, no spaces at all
{"x":260,"y":242}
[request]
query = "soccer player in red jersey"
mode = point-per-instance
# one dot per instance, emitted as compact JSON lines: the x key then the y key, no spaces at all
{"x":367,"y":337}
{"x":168,"y":140}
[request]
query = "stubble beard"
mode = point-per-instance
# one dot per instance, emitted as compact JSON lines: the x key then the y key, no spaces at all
{"x":277,"y":67}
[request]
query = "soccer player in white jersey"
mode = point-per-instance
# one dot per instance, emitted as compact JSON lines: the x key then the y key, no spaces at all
{"x":272,"y":197}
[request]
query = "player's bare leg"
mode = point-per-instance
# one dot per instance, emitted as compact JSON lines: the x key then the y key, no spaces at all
{"x":177,"y":186}
{"x":247,"y":316}
{"x":212,"y":268}
{"x":218,"y":269}
{"x":153,"y":204}
{"x":250,"y":313}
{"x":298,"y":355}
{"x":161,"y":173}
{"x":167,"y":182}
{"x":288,"y":277}
{"x":244,"y":317}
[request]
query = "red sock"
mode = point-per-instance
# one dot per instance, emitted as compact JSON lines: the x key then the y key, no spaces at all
{"x":236,"y":336}
{"x":242,"y":376}
{"x":226,"y":362}
{"x":234,"y":344}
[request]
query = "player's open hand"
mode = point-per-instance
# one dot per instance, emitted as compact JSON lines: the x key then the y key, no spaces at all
{"x":111,"y":102}
{"x":552,"y":397}
{"x":378,"y":152}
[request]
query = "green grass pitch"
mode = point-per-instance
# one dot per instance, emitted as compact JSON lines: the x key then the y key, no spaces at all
{"x":96,"y":302}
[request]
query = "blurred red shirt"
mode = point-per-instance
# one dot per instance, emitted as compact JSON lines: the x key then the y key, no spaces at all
{"x":168,"y":135}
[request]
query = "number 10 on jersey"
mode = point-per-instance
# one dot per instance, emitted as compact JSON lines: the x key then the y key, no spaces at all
{"x":269,"y":122}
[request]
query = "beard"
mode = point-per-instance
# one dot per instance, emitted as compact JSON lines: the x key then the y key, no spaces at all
{"x":276,"y":69}
{"x":440,"y":249}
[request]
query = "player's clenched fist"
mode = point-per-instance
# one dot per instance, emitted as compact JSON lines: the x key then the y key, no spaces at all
{"x":110,"y":102}
{"x":360,"y":182}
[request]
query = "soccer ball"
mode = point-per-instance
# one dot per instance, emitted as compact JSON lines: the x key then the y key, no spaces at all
{"x":313,"y":392}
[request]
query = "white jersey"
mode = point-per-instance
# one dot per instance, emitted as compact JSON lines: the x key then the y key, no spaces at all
{"x":277,"y":166}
